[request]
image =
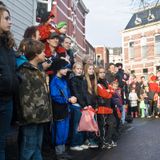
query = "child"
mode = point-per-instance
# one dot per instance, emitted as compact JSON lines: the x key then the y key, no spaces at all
{"x":91,"y":97}
{"x":133,"y":103}
{"x":61,"y":98}
{"x":153,"y":92}
{"x":106,"y":119}
{"x":35,"y":107}
{"x":117,"y":105}
{"x":142,"y":106}
{"x":145,"y":98}
{"x":78,"y":89}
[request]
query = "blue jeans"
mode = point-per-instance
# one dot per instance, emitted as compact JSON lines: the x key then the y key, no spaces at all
{"x":31,"y":142}
{"x":77,"y":138}
{"x":123,"y":114}
{"x":6,"y":108}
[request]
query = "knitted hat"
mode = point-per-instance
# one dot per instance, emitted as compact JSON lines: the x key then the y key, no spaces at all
{"x":61,"y":24}
{"x":59,"y":64}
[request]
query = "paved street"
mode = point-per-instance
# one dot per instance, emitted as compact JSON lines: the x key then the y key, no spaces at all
{"x":141,"y":141}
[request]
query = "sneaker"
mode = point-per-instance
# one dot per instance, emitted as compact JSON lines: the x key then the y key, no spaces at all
{"x":108,"y":146}
{"x":156,"y":117}
{"x":76,"y":148}
{"x":102,"y":146}
{"x":93,"y":146}
{"x":84,"y":146}
{"x":114,"y":144}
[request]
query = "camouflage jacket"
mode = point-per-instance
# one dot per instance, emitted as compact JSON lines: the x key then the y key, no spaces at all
{"x":35,"y":104}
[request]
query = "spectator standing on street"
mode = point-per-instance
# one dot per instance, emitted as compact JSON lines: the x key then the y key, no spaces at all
{"x":61,"y":98}
{"x":78,"y":89}
{"x":105,"y":117}
{"x":8,"y":79}
{"x":133,"y":98}
{"x":91,"y":96}
{"x":35,"y":107}
{"x":110,"y":74}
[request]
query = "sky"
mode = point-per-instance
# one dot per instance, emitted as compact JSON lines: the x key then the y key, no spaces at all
{"x":106,"y":20}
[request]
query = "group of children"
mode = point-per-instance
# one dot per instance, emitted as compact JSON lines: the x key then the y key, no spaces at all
{"x":145,"y":103}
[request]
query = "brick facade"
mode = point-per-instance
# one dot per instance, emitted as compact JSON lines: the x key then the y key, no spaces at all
{"x":74,"y":13}
{"x":139,"y":63}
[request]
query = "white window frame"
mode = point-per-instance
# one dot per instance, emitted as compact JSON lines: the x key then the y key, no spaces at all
{"x":156,"y":45}
{"x":144,"y":47}
{"x":131,"y":49}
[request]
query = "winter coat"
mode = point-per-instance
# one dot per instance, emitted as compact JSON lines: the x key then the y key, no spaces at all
{"x":117,"y":100}
{"x":104,"y":98}
{"x":90,"y":98}
{"x":35,"y":104}
{"x":20,"y":60}
{"x":133,"y":99}
{"x":8,"y":77}
{"x":78,"y":89}
{"x":119,"y":77}
{"x":60,"y":93}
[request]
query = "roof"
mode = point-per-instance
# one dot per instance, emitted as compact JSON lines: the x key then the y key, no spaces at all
{"x":83,"y":6}
{"x":141,"y":18}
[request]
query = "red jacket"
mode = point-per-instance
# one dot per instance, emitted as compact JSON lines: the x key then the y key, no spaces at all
{"x":106,"y":95}
{"x":153,"y":86}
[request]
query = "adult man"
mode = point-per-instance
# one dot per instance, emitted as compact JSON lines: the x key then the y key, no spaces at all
{"x":110,"y":75}
{"x":69,"y":53}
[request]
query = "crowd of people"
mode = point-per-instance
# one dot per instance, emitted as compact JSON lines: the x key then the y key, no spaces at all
{"x":45,"y":90}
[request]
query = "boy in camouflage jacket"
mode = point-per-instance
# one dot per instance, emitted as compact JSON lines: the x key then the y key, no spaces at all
{"x":35,"y":108}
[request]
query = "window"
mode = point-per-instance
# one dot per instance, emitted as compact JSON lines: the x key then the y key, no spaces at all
{"x":43,"y":6}
{"x":132,"y":71}
{"x":145,"y":70}
{"x":131,"y":50}
{"x":157,"y":68}
{"x":157,"y":45}
{"x":144,"y":47}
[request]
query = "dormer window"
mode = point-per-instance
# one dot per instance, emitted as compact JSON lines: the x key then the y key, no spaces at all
{"x":137,"y":20}
{"x":151,"y":16}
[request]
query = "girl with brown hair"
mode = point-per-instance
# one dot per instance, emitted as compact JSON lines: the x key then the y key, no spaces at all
{"x":8,"y":79}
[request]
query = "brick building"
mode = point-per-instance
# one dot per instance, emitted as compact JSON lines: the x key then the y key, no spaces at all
{"x":102,"y":56}
{"x":90,"y":51}
{"x":141,"y":42}
{"x":115,"y":55}
{"x":74,"y":13}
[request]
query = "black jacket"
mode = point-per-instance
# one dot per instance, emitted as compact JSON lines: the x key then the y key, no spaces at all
{"x":90,"y":98}
{"x":8,"y":78}
{"x":78,"y":89}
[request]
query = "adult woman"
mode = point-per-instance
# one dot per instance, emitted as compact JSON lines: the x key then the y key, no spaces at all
{"x":8,"y":80}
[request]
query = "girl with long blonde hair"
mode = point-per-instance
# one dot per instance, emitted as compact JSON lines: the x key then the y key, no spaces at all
{"x":91,"y":98}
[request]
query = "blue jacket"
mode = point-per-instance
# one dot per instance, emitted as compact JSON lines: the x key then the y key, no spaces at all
{"x":57,"y":86}
{"x":20,"y":60}
{"x":60,"y":94}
